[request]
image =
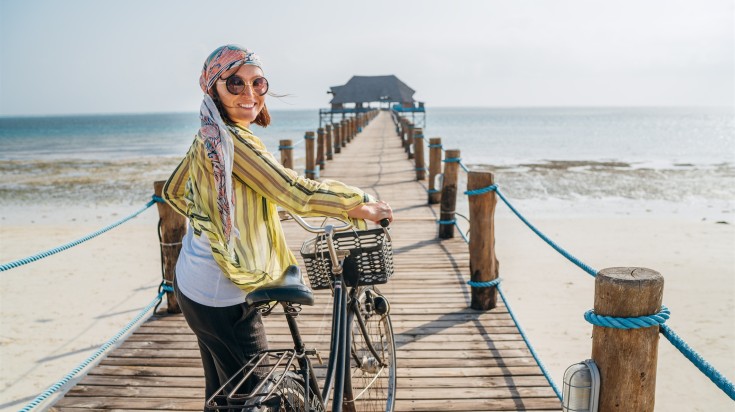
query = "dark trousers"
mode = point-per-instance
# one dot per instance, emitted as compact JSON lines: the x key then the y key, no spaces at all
{"x":227,"y":338}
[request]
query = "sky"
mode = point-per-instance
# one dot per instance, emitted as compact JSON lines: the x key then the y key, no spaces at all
{"x":132,"y":56}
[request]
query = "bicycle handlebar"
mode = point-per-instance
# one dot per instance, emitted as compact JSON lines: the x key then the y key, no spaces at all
{"x":322,"y":229}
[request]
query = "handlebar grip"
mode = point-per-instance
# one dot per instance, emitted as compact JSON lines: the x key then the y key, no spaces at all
{"x":384,"y":223}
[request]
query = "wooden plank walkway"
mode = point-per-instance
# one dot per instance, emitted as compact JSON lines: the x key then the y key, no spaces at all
{"x":450,"y":358}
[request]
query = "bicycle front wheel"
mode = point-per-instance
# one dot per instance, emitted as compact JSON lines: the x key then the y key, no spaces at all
{"x":373,"y":352}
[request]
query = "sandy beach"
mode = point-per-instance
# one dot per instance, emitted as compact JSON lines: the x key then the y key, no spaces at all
{"x":58,"y":311}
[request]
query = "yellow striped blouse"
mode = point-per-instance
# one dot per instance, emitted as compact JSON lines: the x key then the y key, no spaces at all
{"x":260,"y":183}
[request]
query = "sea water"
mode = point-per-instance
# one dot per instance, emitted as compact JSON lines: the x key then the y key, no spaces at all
{"x":627,"y":160}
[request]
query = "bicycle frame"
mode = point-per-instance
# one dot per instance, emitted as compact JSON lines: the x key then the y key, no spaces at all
{"x":338,"y":377}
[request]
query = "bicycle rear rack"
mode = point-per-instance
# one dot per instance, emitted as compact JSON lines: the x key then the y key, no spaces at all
{"x":266,"y":370}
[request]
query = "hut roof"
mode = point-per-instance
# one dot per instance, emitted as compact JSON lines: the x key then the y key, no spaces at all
{"x":363,"y":89}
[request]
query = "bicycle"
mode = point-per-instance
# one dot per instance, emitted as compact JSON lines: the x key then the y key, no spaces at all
{"x":362,"y":378}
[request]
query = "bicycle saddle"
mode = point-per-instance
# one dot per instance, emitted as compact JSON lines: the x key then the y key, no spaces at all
{"x":288,"y":288}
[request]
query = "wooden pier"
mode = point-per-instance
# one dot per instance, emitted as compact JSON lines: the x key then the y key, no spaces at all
{"x":450,"y":357}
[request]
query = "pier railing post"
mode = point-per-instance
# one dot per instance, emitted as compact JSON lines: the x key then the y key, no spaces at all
{"x":337,"y":138}
{"x":449,"y":196}
{"x":418,"y":147}
{"x":627,"y":358}
{"x":328,"y":142}
{"x":483,"y":263}
{"x":310,"y":172}
{"x":172,"y":227}
{"x":435,"y":168}
{"x":286,"y":149}
{"x":320,"y":148}
{"x":409,"y":140}
{"x":404,"y":132}
{"x":343,"y":133}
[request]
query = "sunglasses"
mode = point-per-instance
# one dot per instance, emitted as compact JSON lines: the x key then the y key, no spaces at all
{"x":236,"y":85}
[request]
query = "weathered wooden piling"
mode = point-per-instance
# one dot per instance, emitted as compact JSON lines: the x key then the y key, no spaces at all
{"x":483,"y":262}
{"x":310,"y":172}
{"x":328,"y":142}
{"x":627,"y":357}
{"x":343,"y":133}
{"x":449,"y":195}
{"x":320,"y":152}
{"x":435,"y":168}
{"x":350,"y":133}
{"x":418,"y":147}
{"x":171,"y":229}
{"x":409,"y":140}
{"x":337,"y":138}
{"x":286,"y":149}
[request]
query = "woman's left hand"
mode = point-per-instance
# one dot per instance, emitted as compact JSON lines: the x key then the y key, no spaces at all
{"x":373,"y":211}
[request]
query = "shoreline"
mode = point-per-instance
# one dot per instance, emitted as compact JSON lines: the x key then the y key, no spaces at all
{"x":59,"y":310}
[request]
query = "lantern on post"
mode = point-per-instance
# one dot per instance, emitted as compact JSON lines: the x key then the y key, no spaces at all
{"x":581,"y":392}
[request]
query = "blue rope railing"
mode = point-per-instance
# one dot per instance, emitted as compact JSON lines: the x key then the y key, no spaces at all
{"x":659,"y":320}
{"x":41,"y":255}
{"x":496,"y":284}
{"x":617,"y":322}
{"x":60,"y":384}
{"x":541,"y":365}
{"x":561,"y":250}
{"x":695,"y":358}
{"x":456,"y":160}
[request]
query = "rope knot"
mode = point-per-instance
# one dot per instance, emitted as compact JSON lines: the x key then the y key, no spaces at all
{"x":490,"y":284}
{"x":481,"y":191}
{"x":637,"y":322}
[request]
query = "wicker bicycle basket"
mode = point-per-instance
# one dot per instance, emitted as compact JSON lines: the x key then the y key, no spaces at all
{"x":370,"y":250}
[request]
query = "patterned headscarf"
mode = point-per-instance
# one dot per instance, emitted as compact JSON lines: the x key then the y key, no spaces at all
{"x":214,"y":134}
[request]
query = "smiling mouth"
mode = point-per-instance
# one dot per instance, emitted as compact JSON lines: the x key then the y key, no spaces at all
{"x":247,"y":106}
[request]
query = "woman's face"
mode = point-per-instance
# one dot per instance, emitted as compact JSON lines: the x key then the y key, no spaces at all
{"x":244,"y":107}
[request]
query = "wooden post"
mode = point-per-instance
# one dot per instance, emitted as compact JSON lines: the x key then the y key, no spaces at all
{"x":404,"y":135}
{"x":401,"y":129}
{"x":627,"y":357}
{"x":172,"y":229}
{"x":328,"y":142}
{"x":418,"y":147}
{"x":409,"y":140}
{"x":310,"y":172}
{"x":435,"y":168}
{"x":343,"y":133}
{"x":449,"y":195}
{"x":286,"y":149}
{"x":320,"y":160}
{"x":483,"y":263}
{"x":337,"y":138}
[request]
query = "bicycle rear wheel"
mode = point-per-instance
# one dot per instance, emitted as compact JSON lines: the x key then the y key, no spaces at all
{"x":292,"y":395}
{"x":373,"y":370}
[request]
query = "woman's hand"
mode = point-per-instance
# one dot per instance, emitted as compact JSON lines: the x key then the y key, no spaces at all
{"x":374,"y":211}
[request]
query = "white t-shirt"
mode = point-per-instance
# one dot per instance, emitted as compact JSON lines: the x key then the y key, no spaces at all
{"x":200,"y":278}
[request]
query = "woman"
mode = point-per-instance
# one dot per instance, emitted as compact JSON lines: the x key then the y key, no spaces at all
{"x":229,"y":186}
